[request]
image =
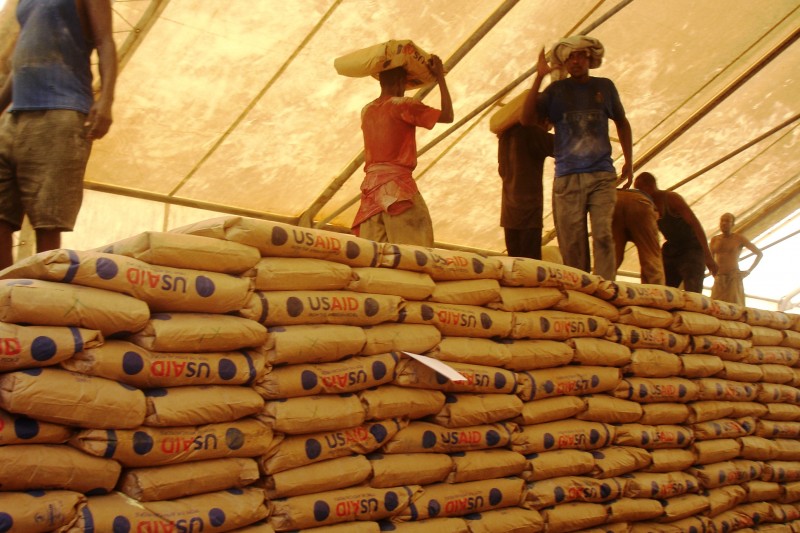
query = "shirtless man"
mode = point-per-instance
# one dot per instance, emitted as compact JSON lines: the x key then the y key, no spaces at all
{"x":636,"y":220}
{"x":685,"y":251}
{"x":726,"y":247}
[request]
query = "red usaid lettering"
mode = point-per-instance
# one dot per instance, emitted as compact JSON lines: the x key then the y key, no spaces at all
{"x":454,"y":318}
{"x":176,"y":445}
{"x":180,"y":369}
{"x":136,"y":276}
{"x":463,"y":504}
{"x":345,"y":379}
{"x":167,"y":368}
{"x":356,"y":507}
{"x":333,"y":303}
{"x":665,"y":436}
{"x":571,"y":440}
{"x":10,"y":346}
{"x":139,"y":277}
{"x":323,"y":242}
{"x":568,"y":326}
{"x":328,"y":243}
{"x":155,"y":526}
{"x":462,"y":437}
{"x":457,"y":261}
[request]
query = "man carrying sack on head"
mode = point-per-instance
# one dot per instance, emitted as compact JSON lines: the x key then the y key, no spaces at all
{"x":392,"y":208}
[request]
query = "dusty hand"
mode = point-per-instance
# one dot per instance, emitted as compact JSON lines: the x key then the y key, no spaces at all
{"x":625,"y":176}
{"x":542,"y":66}
{"x":436,"y":66}
{"x":712,"y":266}
{"x":98,"y":121}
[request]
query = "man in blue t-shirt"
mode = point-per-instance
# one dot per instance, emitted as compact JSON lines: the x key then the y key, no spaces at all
{"x":52,"y":118}
{"x":580,"y":107}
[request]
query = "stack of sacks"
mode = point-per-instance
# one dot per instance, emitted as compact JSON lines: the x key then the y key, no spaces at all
{"x":154,"y":398}
{"x":348,"y":402}
{"x":706,"y":430}
{"x":568,"y":423}
{"x":586,"y":405}
{"x":588,"y":391}
{"x":41,"y":404}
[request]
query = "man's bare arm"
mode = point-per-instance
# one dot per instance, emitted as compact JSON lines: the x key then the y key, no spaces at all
{"x":437,"y":69}
{"x":529,"y":114}
{"x":99,"y":15}
{"x":5,"y":94}
{"x":678,"y":205}
{"x":625,"y":135}
{"x":756,"y":251}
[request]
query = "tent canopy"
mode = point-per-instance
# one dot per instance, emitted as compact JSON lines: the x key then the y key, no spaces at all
{"x":234,"y":107}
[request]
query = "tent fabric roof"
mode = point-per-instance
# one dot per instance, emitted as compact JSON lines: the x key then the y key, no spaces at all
{"x":234,"y":106}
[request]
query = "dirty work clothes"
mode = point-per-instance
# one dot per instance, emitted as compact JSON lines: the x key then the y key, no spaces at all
{"x":573,"y":197}
{"x":43,"y":144}
{"x":729,"y":288}
{"x":684,"y":259}
{"x":585,"y":180}
{"x":687,"y":266}
{"x":412,"y":226}
{"x":636,"y":221}
{"x":390,"y":156}
{"x":39,"y":177}
{"x":524,"y":242}
{"x":52,"y":52}
{"x":580,"y":113}
{"x":521,"y":152}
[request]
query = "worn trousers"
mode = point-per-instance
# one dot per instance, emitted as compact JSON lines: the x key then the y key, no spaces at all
{"x":636,"y":220}
{"x":524,"y":242}
{"x":575,"y":196}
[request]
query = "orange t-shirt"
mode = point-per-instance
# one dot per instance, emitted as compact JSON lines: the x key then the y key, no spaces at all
{"x":390,"y":154}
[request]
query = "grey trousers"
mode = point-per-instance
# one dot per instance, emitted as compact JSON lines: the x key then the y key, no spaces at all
{"x":575,"y":196}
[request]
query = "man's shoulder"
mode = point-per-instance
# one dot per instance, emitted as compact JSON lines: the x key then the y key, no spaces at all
{"x":404,"y":100}
{"x":567,"y":84}
{"x":740,"y":239}
{"x":600,"y":79}
{"x":673,"y":196}
{"x":394,"y":100}
{"x":604,"y":84}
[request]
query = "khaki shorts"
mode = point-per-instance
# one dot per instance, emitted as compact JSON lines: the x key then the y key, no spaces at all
{"x":43,"y":157}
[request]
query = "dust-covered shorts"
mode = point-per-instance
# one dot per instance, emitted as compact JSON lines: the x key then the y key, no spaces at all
{"x":43,"y":157}
{"x":412,"y":226}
